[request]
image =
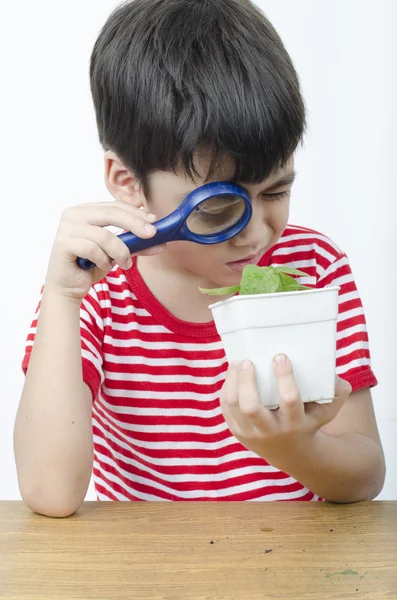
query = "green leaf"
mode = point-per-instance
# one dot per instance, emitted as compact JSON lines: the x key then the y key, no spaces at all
{"x":220,"y":291}
{"x":290,"y":271}
{"x":258,"y":280}
{"x":262,"y":280}
{"x":255,"y":280}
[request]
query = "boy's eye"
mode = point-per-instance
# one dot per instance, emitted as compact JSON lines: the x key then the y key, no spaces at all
{"x":278,"y":196}
{"x":216,"y":214}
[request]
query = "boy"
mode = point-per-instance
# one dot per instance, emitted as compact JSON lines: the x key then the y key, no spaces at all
{"x":127,"y":375}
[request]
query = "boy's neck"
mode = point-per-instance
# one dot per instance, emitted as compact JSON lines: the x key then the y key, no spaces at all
{"x":177,"y":291}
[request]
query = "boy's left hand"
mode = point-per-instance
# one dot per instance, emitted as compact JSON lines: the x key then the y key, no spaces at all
{"x":271,"y":432}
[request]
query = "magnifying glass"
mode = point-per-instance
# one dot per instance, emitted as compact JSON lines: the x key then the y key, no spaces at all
{"x":210,"y":214}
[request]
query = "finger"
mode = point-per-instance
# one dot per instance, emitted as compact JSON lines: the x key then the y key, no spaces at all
{"x":90,"y":250}
{"x":229,"y":396}
{"x":250,"y":403}
{"x":323,"y":413}
{"x":112,"y":245}
{"x":125,"y":217}
{"x":292,"y":409}
{"x":239,"y":423}
{"x":122,"y":203}
{"x":107,"y":241}
{"x":342,"y":387}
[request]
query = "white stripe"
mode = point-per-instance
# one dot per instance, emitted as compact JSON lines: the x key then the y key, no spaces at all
{"x":350,"y":314}
{"x":115,"y":276}
{"x":359,"y":328}
{"x":105,"y":305}
{"x":122,"y":295}
{"x":156,"y":379}
{"x":361,"y":362}
{"x":168,"y":395}
{"x":301,"y":264}
{"x":285,"y":251}
{"x":342,"y":280}
{"x":356,"y":347}
{"x":162,"y":345}
{"x":134,"y":326}
{"x":162,"y":412}
{"x":348,"y":296}
{"x":165,"y":362}
{"x":127,"y":310}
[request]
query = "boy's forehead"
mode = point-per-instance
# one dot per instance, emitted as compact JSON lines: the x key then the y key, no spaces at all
{"x":179,"y":184}
{"x":225,"y":172}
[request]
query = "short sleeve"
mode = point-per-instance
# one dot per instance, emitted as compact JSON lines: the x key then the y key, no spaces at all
{"x":353,"y":358}
{"x":91,"y":334}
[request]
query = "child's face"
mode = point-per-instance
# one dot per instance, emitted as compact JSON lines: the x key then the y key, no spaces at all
{"x":211,"y":262}
{"x":208,"y":264}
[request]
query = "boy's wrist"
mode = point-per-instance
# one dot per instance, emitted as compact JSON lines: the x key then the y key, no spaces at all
{"x":53,"y":294}
{"x":290,"y":453}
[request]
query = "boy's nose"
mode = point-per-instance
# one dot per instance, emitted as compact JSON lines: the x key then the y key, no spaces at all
{"x":255,"y":234}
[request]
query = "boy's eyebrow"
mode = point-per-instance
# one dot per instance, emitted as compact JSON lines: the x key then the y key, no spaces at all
{"x":287,"y":179}
{"x":283,"y":180}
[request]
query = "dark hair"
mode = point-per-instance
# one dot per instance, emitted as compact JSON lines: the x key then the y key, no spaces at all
{"x":169,"y":77}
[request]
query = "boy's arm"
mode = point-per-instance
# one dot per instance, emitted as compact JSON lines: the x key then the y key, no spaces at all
{"x":344,"y":460}
{"x":53,"y":429}
{"x":333,"y":449}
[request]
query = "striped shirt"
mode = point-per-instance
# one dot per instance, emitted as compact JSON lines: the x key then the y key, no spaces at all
{"x":158,"y":429}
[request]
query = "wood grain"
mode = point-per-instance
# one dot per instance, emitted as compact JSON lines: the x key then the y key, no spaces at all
{"x":201,"y":551}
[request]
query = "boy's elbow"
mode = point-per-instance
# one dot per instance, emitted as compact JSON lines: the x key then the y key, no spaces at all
{"x":57,"y":506}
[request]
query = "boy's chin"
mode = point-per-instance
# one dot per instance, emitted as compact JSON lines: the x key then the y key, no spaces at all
{"x":225,"y":280}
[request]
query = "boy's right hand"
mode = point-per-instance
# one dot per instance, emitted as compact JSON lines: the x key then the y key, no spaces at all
{"x":81,"y":233}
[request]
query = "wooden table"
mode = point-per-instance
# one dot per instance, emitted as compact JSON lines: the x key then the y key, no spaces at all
{"x":201,"y":551}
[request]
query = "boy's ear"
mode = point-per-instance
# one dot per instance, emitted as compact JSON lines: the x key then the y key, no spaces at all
{"x":120,"y":182}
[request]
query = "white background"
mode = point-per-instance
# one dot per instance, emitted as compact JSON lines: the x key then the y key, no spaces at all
{"x":346,"y":56}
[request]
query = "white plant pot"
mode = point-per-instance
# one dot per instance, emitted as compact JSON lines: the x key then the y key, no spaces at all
{"x":301,"y":324}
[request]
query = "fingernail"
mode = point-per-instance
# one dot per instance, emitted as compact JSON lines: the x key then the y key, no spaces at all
{"x":245,"y":365}
{"x":281,"y":360}
{"x":151,"y":216}
{"x":149,"y":228}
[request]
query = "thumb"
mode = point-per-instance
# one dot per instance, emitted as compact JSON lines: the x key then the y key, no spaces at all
{"x":342,"y":387}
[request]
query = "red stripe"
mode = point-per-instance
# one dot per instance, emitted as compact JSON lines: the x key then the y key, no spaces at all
{"x":360,"y":336}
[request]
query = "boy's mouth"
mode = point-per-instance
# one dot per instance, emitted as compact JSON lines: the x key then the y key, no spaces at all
{"x":239,"y":265}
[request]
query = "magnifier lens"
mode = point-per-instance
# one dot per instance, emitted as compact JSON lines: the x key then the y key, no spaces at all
{"x":216,"y":214}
